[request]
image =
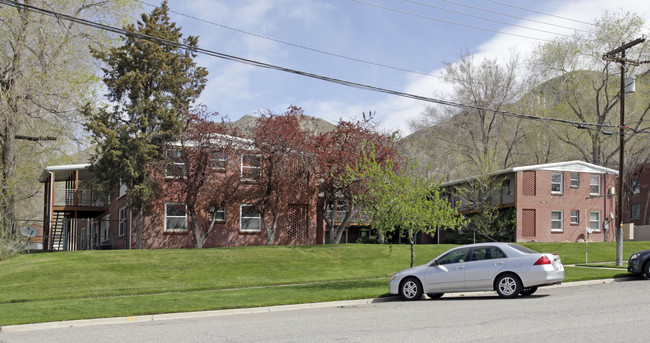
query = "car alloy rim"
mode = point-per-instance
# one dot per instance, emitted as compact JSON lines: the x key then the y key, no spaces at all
{"x":410,"y":289}
{"x":507,"y":285}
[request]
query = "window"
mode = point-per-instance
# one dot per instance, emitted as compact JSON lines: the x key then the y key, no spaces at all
{"x":250,"y":219}
{"x":594,"y":184}
{"x":594,"y":220}
{"x":454,"y":256}
{"x":176,"y":165}
{"x":251,"y":167}
{"x":635,"y":211}
{"x":219,"y":160}
{"x":575,"y":180}
{"x":575,"y":217}
{"x":557,"y":221}
{"x":104,"y":225}
{"x":94,"y":232}
{"x":121,"y":224}
{"x":636,"y":186}
{"x":507,"y":192}
{"x":487,"y":253}
{"x":556,"y":183}
{"x":175,"y":217}
{"x":218,"y":213}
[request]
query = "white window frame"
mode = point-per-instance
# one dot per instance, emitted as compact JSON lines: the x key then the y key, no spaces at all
{"x":178,"y":166}
{"x":242,"y":218}
{"x":560,"y":183}
{"x":598,"y":221}
{"x":251,"y":167}
{"x":219,"y":160}
{"x":217,"y":209}
{"x":575,"y":182}
{"x":575,"y":217}
{"x":122,"y":223}
{"x":561,"y":221}
{"x":166,"y":229}
{"x":592,"y":184}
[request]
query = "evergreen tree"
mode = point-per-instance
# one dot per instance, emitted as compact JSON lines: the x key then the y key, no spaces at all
{"x":150,"y":86}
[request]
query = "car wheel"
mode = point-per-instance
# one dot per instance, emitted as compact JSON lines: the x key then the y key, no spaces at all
{"x":508,"y":286}
{"x":411,"y":289}
{"x":528,"y":290}
{"x":435,"y":295}
{"x":646,"y":269}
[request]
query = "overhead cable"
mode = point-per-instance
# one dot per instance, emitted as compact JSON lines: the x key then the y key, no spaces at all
{"x":538,"y":12}
{"x":513,"y":16}
{"x":296,"y":45}
{"x":484,"y":18}
{"x":179,"y":45}
{"x":448,"y":21}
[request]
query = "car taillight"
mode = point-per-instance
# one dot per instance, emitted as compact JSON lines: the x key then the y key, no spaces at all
{"x":542,"y":260}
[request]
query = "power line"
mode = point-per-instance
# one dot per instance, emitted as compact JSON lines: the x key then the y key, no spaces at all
{"x":484,"y":18}
{"x":296,"y":45}
{"x":538,"y":12}
{"x":448,"y":21}
{"x":304,"y":47}
{"x":512,"y":16}
{"x":293,"y":71}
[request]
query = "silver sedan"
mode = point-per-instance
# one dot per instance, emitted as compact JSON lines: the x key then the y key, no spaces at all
{"x":509,"y":269}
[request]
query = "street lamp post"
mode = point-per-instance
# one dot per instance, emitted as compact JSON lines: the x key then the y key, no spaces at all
{"x":610,"y":56}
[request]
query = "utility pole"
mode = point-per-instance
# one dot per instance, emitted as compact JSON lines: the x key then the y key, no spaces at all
{"x":611,"y":56}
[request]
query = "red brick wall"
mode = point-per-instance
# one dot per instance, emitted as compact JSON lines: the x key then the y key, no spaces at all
{"x":224,"y":234}
{"x":642,"y":199}
{"x":543,"y":202}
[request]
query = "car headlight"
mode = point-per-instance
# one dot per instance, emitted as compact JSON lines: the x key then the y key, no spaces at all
{"x":394,"y":277}
{"x":635,"y":256}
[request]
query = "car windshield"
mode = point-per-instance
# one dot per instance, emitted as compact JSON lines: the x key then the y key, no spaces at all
{"x":522,"y":249}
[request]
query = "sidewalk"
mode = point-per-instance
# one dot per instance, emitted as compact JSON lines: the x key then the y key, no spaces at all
{"x":219,"y":313}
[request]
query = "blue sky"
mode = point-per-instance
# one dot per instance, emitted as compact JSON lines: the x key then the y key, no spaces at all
{"x":401,"y":34}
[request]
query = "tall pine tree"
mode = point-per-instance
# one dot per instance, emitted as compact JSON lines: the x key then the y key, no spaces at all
{"x":150,"y":86}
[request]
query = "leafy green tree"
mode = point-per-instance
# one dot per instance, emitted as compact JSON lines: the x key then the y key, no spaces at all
{"x":577,"y":84}
{"x":402,"y":199}
{"x":46,"y":75}
{"x":150,"y":86}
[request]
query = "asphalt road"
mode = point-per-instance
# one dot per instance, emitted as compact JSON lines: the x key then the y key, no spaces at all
{"x":604,"y":312}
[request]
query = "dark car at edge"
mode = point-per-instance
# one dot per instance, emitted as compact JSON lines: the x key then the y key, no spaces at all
{"x":639,"y":263}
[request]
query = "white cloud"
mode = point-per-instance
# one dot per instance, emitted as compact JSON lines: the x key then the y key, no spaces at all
{"x":395,"y":112}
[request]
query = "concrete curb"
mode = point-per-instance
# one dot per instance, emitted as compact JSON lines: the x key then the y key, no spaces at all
{"x":266,"y":309}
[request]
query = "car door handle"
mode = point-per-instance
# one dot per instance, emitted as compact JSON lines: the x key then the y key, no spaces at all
{"x":459,"y":268}
{"x":498,"y":263}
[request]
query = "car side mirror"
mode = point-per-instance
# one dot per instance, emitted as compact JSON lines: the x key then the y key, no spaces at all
{"x":434,"y":263}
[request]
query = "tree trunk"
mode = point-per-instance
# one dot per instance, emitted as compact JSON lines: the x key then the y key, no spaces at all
{"x":198,"y":237}
{"x":8,"y":166}
{"x":270,"y":230}
{"x":412,"y":239}
{"x":337,"y":232}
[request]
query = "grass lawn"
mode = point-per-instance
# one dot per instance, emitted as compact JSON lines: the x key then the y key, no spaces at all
{"x":93,"y":284}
